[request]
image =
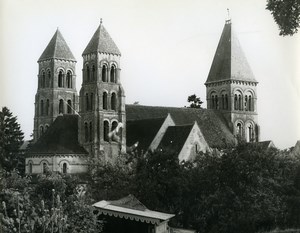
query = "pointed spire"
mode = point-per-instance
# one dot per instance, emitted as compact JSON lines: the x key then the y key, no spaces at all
{"x":229,"y":62}
{"x":57,"y":48}
{"x":101,"y":42}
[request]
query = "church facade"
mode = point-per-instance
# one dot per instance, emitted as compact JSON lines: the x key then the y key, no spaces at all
{"x":69,"y":129}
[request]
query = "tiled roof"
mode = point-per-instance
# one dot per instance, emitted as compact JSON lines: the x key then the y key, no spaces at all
{"x":57,"y":48}
{"x":60,"y":138}
{"x":175,"y":137}
{"x":113,"y":208}
{"x":229,"y":62}
{"x":101,"y":42}
{"x":130,"y":202}
{"x":211,"y":122}
{"x":142,"y":131}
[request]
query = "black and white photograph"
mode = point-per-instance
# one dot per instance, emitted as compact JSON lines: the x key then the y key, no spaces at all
{"x":142,"y":116}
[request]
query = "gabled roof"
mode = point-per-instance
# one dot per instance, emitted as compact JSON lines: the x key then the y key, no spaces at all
{"x":211,"y":122}
{"x":175,"y":137}
{"x":229,"y":62}
{"x":57,"y":48}
{"x":101,"y":42}
{"x":130,"y":202}
{"x":123,"y":210}
{"x":60,"y":138}
{"x":266,"y":144}
{"x":142,"y":131}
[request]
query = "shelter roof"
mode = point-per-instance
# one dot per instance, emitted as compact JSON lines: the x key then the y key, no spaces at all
{"x":123,"y":208}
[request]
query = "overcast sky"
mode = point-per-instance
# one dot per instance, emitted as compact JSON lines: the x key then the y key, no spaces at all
{"x":167,"y":49}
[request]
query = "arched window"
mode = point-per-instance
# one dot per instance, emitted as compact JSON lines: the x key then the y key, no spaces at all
{"x":216,"y":102}
{"x":30,"y":167}
{"x":44,"y":167}
{"x":64,"y":168}
{"x":46,"y":127}
{"x":47,"y":107}
{"x":87,"y":73}
{"x":69,"y":79}
{"x":240,"y":102}
{"x":113,"y":74}
{"x":42,"y":107}
{"x":41,"y":130}
{"x":91,"y":132}
{"x":246,"y":103}
{"x":226,"y":101}
{"x":43,"y":84}
{"x":250,"y":133}
{"x":60,"y":79}
{"x":113,"y":102}
{"x":106,"y":131}
{"x":213,"y":102}
{"x":239,"y":129}
{"x":49,"y":79}
{"x":86,"y":132}
{"x":104,"y":100}
{"x":236,"y":102}
{"x":114,"y":125}
{"x":104,"y":73}
{"x":92,"y":101}
{"x":61,"y":107}
{"x":93,"y":73}
{"x":87,"y":102}
{"x":223,"y":102}
{"x":250,"y":108}
{"x":69,"y":107}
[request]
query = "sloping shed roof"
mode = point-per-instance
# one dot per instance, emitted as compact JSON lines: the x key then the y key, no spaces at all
{"x":113,"y":208}
{"x":57,"y":48}
{"x":175,"y":137}
{"x":101,"y":42}
{"x":229,"y":62}
{"x":60,"y":138}
{"x":143,"y":131}
{"x":211,"y":122}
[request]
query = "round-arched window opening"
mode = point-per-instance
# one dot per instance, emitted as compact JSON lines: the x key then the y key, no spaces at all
{"x":65,"y":168}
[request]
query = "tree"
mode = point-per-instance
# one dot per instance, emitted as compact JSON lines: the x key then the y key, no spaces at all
{"x":11,"y":138}
{"x":194,"y":101}
{"x":286,"y":14}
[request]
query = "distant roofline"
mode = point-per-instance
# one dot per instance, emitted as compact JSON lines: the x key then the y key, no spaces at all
{"x":231,"y":80}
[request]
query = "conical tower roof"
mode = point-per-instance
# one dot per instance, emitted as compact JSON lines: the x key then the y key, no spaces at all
{"x":101,"y":42}
{"x":57,"y":48}
{"x":229,"y":62}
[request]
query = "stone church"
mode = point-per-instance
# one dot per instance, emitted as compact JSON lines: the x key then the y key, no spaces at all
{"x":68,"y":129}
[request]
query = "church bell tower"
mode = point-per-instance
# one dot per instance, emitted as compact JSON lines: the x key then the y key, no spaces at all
{"x":102,"y":99}
{"x":231,"y":87}
{"x":56,"y":92}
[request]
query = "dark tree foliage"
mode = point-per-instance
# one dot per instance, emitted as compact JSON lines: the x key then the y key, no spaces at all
{"x":107,"y":181}
{"x":194,"y":101}
{"x":286,"y":14}
{"x":47,"y":203}
{"x":11,"y":138}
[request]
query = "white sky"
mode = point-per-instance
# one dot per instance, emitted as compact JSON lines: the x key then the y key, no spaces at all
{"x":167,"y":49}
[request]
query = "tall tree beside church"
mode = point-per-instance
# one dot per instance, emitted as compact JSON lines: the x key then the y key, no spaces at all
{"x":286,"y":14}
{"x":11,"y":138}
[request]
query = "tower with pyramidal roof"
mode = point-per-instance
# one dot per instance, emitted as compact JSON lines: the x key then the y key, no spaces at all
{"x":102,"y":99}
{"x":231,"y":87}
{"x":56,"y":92}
